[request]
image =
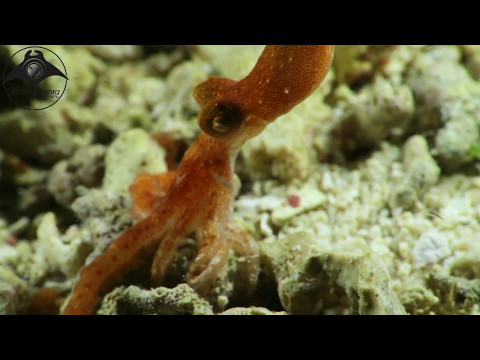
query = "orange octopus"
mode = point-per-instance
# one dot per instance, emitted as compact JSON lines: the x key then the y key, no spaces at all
{"x":197,"y":199}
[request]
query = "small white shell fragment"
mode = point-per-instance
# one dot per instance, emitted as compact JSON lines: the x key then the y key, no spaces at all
{"x":431,"y":247}
{"x":310,"y":199}
{"x":248,"y":204}
{"x":265,"y":229}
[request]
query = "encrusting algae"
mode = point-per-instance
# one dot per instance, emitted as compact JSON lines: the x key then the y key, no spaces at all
{"x":198,"y":198}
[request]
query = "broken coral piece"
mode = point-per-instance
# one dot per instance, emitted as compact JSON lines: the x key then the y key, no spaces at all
{"x":447,"y":106}
{"x":312,"y":279}
{"x":14,"y":293}
{"x":131,"y":300}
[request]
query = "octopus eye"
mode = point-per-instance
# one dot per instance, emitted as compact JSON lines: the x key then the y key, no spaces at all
{"x":221,"y":119}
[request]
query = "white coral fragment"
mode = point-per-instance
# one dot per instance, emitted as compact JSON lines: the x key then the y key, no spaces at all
{"x":309,"y":199}
{"x":431,"y":247}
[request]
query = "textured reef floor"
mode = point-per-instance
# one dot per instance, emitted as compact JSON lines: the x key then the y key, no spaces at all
{"x":364,"y":199}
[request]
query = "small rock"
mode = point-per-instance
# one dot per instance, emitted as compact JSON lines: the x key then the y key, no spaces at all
{"x":431,"y":247}
{"x":14,"y":294}
{"x":131,"y":154}
{"x":312,"y":279}
{"x":306,"y":199}
{"x":181,"y":300}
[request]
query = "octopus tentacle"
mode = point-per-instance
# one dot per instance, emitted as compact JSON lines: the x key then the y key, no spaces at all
{"x":283,"y":76}
{"x":212,"y":257}
{"x":127,"y":253}
{"x":163,"y":256}
{"x":146,"y":192}
{"x":244,"y":245}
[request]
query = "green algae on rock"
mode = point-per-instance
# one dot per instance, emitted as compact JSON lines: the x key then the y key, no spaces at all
{"x":447,"y":101}
{"x":311,"y":279}
{"x":421,"y":172}
{"x":85,"y":168}
{"x":181,"y":300}
{"x":47,"y":136}
{"x":366,"y":118}
{"x":472,"y":62}
{"x":458,"y":296}
{"x":104,"y":215}
{"x":56,"y":253}
{"x":53,"y":257}
{"x":14,"y":293}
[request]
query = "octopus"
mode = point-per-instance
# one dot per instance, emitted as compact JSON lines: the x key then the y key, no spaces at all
{"x":196,"y":200}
